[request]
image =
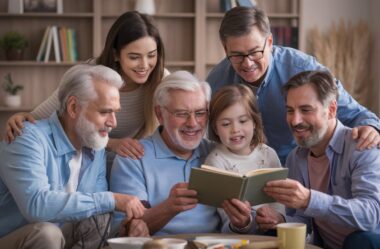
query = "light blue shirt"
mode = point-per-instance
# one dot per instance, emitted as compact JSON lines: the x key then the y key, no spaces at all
{"x":285,"y":63}
{"x":152,"y":177}
{"x":34,"y":170}
{"x":353,"y":196}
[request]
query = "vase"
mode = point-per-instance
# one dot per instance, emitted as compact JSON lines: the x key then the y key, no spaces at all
{"x":14,"y":54}
{"x":145,"y":7}
{"x":12,"y":100}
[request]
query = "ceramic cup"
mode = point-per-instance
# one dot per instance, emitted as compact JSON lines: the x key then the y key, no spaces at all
{"x":291,"y":235}
{"x":128,"y":242}
{"x":173,"y":243}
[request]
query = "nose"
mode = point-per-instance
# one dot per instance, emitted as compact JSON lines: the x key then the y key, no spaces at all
{"x":192,"y":120}
{"x":234,"y":127}
{"x":294,"y":118}
{"x":111,"y":121}
{"x":144,"y":62}
{"x":247,"y":62}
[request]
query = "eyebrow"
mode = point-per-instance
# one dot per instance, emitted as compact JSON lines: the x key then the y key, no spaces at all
{"x":132,"y":53}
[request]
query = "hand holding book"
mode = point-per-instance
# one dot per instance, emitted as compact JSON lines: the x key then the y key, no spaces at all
{"x":215,"y":185}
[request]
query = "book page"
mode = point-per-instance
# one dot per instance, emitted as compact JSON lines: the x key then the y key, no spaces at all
{"x":261,"y":171}
{"x":221,"y":171}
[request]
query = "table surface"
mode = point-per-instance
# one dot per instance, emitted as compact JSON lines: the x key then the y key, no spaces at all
{"x":251,"y":238}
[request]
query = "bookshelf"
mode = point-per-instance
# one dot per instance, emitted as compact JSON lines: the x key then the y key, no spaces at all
{"x":189,"y":29}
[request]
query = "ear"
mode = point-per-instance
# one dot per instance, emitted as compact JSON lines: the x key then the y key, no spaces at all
{"x":270,"y":42}
{"x":73,"y":107}
{"x":157,"y":111}
{"x":333,"y":107}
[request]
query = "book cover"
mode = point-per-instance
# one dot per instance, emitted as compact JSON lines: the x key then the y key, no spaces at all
{"x":42,"y":49}
{"x":57,"y":55}
{"x":215,"y":185}
{"x":63,"y":42}
{"x":48,"y":45}
{"x":245,"y":3}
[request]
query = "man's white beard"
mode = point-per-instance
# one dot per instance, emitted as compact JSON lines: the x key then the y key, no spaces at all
{"x":88,"y":134}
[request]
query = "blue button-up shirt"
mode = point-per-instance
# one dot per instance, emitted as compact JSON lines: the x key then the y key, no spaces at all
{"x":353,"y":196}
{"x":34,"y":170}
{"x":285,"y":63}
{"x":152,"y":177}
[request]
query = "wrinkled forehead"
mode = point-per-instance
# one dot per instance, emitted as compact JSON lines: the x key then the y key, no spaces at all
{"x":187,"y":100}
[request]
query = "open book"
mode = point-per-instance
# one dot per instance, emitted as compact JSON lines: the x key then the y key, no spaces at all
{"x":215,"y":185}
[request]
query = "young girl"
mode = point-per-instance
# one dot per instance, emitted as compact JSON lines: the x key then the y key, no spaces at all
{"x":235,"y":124}
{"x":135,"y":50}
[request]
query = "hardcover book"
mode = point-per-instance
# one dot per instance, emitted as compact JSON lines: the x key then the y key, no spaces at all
{"x":215,"y":185}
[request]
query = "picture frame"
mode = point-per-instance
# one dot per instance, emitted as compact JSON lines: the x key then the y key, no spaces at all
{"x":42,"y":6}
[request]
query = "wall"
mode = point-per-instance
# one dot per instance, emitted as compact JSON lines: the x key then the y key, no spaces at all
{"x":322,"y":13}
{"x":375,"y":28}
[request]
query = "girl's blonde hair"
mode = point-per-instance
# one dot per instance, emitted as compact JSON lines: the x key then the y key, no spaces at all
{"x":228,"y":96}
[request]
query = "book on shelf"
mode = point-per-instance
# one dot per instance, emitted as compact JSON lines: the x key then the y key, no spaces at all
{"x":42,"y":49}
{"x":246,"y":3}
{"x":62,"y":41}
{"x":285,"y":36}
{"x":214,"y":185}
{"x":15,"y":6}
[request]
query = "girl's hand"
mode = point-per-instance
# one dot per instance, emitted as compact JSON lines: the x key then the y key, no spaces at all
{"x":127,"y":147}
{"x":14,"y":125}
{"x":239,"y":212}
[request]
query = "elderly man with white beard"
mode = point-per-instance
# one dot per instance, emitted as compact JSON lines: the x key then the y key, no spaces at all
{"x":53,"y":188}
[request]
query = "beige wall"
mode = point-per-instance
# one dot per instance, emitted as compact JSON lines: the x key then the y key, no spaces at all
{"x":322,"y":13}
{"x":375,"y":28}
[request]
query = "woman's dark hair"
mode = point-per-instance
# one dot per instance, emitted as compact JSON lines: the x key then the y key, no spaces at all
{"x":128,"y":28}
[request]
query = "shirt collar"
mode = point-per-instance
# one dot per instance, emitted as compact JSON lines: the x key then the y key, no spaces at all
{"x":61,"y":141}
{"x":163,"y":151}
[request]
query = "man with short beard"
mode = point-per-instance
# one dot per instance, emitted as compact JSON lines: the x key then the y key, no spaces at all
{"x":333,"y":186}
{"x":53,"y":188}
{"x":160,"y":177}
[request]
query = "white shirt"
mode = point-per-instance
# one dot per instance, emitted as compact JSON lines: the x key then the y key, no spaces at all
{"x":75,"y":165}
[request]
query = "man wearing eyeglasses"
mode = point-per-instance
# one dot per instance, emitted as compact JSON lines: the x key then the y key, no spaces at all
{"x":160,"y":177}
{"x":253,"y":60}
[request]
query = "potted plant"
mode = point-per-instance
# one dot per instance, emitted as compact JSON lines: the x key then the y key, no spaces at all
{"x":13,"y":43}
{"x":12,"y":99}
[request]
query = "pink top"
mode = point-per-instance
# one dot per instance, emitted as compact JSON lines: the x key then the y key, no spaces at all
{"x":333,"y":235}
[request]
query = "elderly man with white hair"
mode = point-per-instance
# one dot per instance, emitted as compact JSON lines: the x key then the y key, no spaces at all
{"x":160,"y":177}
{"x":53,"y":188}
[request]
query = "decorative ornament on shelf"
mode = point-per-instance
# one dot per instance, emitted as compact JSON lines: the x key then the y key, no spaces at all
{"x":13,"y":44}
{"x":12,"y":99}
{"x":145,"y":7}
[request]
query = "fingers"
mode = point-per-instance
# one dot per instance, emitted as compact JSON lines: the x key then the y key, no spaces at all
{"x":267,"y":218}
{"x":368,"y":136}
{"x":138,"y":228}
{"x":128,"y":147}
{"x":181,"y":198}
{"x":238,"y":212}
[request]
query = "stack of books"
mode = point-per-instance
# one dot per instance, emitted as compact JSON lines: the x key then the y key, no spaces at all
{"x":60,"y":39}
{"x":226,"y":5}
{"x":285,"y":36}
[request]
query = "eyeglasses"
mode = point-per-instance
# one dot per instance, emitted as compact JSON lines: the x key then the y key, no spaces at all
{"x":199,"y":115}
{"x":253,"y":56}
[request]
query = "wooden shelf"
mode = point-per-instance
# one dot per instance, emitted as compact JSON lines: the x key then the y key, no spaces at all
{"x":15,"y":109}
{"x":189,"y":30}
{"x":47,"y":15}
{"x":34,"y":63}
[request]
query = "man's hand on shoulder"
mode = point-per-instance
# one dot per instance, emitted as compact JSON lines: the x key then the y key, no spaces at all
{"x":368,"y":137}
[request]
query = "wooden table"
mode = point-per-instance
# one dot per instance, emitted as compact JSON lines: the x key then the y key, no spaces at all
{"x":251,"y":238}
